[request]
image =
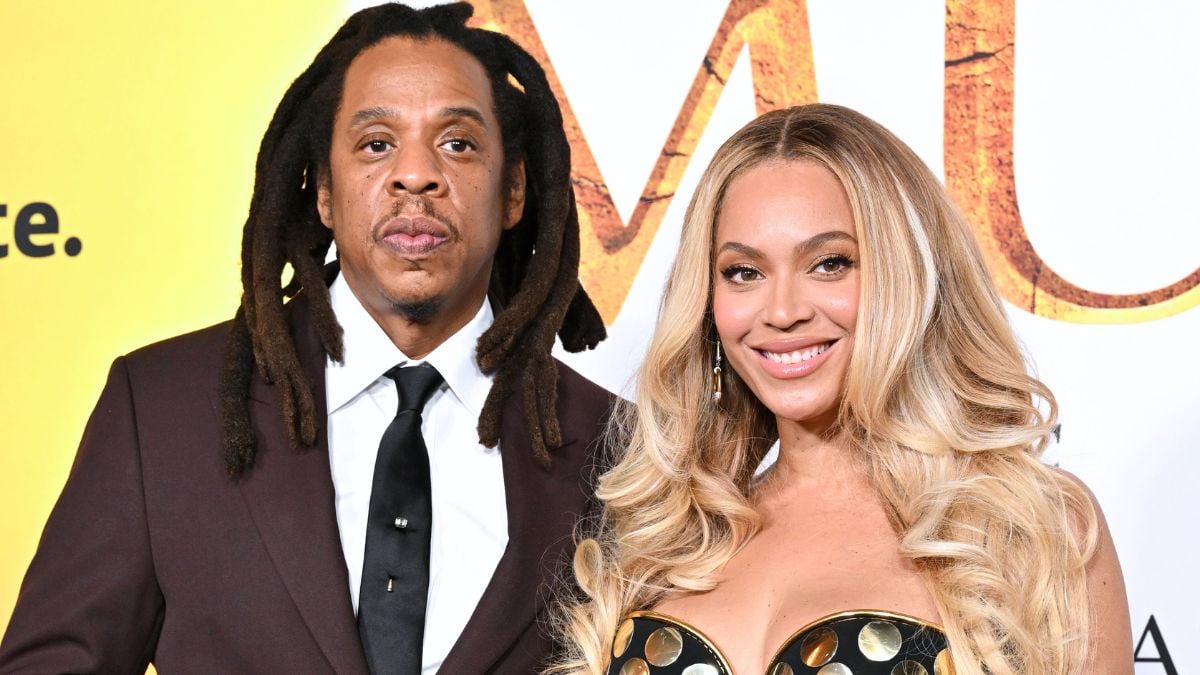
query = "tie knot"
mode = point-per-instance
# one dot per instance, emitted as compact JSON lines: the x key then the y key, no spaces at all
{"x":414,"y":385}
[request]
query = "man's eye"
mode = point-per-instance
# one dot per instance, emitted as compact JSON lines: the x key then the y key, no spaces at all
{"x":458,"y":145}
{"x":741,"y":274}
{"x":376,"y":146}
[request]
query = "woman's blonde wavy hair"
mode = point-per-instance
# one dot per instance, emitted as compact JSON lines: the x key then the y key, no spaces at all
{"x":937,"y":399}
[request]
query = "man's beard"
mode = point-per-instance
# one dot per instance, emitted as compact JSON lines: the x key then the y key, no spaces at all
{"x":419,"y":311}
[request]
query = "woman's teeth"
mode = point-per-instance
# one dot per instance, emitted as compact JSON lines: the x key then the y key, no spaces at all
{"x":798,"y":355}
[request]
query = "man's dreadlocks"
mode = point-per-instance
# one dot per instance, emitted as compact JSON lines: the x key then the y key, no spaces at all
{"x":539,"y":295}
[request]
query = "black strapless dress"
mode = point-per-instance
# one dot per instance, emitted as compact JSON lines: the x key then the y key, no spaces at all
{"x":867,"y":642}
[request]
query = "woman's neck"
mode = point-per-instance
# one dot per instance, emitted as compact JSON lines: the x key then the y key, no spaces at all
{"x":814,"y":452}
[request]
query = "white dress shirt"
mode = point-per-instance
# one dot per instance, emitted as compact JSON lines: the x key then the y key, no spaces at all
{"x":470,"y":520}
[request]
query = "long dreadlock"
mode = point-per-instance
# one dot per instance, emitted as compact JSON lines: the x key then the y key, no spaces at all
{"x":539,"y":295}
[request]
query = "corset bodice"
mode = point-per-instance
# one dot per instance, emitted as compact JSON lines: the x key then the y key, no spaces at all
{"x":867,"y":642}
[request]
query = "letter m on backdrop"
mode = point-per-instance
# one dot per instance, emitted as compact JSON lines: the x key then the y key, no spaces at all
{"x":777,"y":35}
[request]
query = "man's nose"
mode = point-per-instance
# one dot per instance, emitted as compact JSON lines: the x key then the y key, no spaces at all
{"x":415,"y":171}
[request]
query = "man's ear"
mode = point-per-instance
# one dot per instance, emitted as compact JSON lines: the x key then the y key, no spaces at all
{"x":515,"y":204}
{"x":325,"y":199}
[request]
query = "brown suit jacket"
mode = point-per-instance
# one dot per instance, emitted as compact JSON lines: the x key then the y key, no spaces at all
{"x":152,"y":554}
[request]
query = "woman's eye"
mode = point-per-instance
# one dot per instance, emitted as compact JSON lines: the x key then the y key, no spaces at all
{"x":833,"y":264}
{"x":741,"y":274}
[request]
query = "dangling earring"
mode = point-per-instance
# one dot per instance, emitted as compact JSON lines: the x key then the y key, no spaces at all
{"x":716,"y":376}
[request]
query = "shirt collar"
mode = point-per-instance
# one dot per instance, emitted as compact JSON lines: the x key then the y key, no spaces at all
{"x":369,"y":353}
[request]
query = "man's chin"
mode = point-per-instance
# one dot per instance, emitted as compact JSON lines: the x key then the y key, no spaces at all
{"x":420,"y":311}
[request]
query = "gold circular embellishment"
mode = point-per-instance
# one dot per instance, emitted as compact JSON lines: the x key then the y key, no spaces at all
{"x":909,"y":668}
{"x":835,"y":669}
{"x":624,"y":635}
{"x":635,"y":667}
{"x":663,"y":646}
{"x":879,"y":640}
{"x":818,"y":647}
{"x":782,"y":668}
{"x":701,"y":669}
{"x":943,"y":664}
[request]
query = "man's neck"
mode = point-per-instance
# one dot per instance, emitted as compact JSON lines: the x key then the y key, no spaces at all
{"x":417,"y":337}
{"x":369,"y":352}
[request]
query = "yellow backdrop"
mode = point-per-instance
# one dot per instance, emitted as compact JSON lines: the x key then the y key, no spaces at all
{"x":138,"y":124}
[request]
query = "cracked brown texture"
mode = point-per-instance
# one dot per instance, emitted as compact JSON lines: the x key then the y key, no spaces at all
{"x":782,"y":68}
{"x":980,"y":39}
{"x":979,"y":90}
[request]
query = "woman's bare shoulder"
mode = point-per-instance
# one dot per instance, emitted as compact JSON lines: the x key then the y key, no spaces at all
{"x":1110,"y":636}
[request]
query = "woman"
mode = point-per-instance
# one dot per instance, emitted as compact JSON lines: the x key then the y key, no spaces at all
{"x":827,"y":294}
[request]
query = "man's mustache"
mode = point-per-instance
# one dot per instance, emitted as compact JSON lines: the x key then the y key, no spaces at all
{"x":414,"y":206}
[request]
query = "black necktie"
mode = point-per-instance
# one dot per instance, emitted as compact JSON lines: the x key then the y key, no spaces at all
{"x":395,"y":576}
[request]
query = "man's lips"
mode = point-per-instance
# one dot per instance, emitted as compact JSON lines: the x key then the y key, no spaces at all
{"x":414,"y":236}
{"x":795,"y":358}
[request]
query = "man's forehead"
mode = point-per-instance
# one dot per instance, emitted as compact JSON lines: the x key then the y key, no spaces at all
{"x":399,"y":72}
{"x":411,"y":58}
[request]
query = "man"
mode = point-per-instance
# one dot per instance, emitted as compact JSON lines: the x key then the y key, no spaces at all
{"x":251,"y":497}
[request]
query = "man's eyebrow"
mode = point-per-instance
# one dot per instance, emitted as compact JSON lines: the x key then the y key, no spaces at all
{"x":382,"y":112}
{"x":467,"y":112}
{"x":373,"y":113}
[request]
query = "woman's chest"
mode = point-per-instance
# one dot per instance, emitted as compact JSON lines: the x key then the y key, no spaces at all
{"x":784,"y":579}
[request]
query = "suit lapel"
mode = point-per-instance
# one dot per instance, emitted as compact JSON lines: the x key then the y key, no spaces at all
{"x":542,"y":506}
{"x":290,"y":494}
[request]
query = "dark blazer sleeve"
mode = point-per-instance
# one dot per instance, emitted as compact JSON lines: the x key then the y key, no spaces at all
{"x":90,"y":601}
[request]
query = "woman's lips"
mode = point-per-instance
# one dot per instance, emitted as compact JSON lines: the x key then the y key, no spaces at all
{"x":796,"y":362}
